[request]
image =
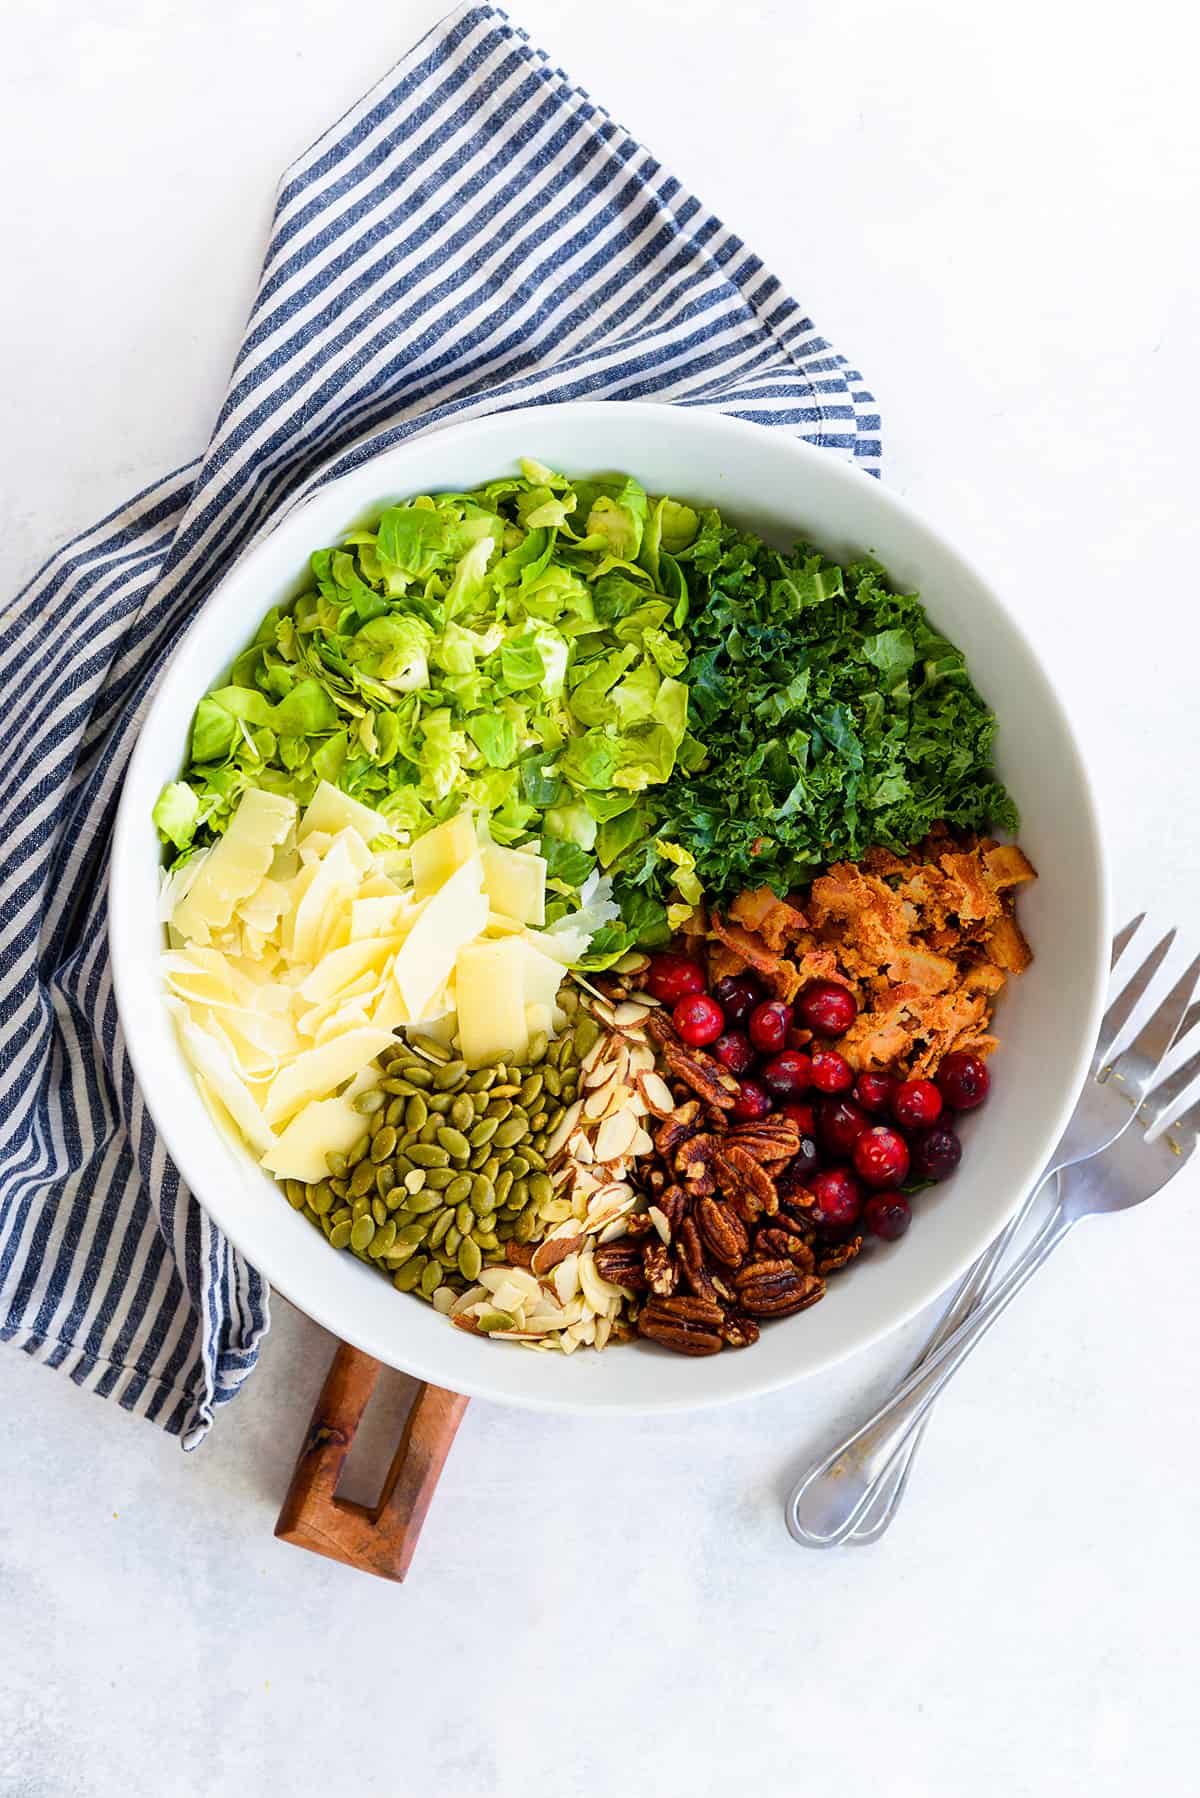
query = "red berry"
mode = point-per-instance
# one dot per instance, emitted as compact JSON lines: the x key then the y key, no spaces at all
{"x":801,"y":1115}
{"x":963,"y":1080}
{"x":737,"y":995}
{"x":874,"y":1091}
{"x":838,"y":1198}
{"x":670,"y":977}
{"x":735,"y":1051}
{"x":936,"y":1153}
{"x":916,"y":1104}
{"x":753,"y":1102}
{"x":805,"y":1161}
{"x":698,"y":1019}
{"x":831,"y":1072}
{"x":769,"y":1026}
{"x":827,"y":1008}
{"x":881,"y":1157}
{"x":788,"y":1073}
{"x":887,"y":1214}
{"x":840,"y":1123}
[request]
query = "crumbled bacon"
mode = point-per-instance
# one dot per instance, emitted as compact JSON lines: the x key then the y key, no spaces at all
{"x":925,"y":941}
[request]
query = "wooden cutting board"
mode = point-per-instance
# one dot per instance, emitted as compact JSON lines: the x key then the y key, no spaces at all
{"x":379,"y":1538}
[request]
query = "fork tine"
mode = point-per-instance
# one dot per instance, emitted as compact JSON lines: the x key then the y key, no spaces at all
{"x":1124,"y":937}
{"x":1176,"y":1084}
{"x":1188,"y":1122}
{"x":1160,"y":1029}
{"x":1122,"y":1007}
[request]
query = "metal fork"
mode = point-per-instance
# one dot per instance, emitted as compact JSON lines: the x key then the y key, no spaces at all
{"x":834,"y":1498}
{"x":892,"y":1484}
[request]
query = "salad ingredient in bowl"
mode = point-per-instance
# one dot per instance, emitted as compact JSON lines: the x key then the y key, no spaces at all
{"x":582,"y":908}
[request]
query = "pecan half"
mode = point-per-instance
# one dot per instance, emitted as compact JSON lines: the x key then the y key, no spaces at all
{"x":691,"y":1259}
{"x":683,"y":1122}
{"x":660,"y":1268}
{"x":689,"y":1326}
{"x":771,"y":1244}
{"x":792,"y":1189}
{"x":621,"y":1262}
{"x":838,"y":1254}
{"x":705,"y":1075}
{"x":723,"y":1231}
{"x":767,"y":1141}
{"x":673,"y":1203}
{"x":776,"y":1289}
{"x":738,"y":1331}
{"x":746,"y":1182}
{"x":694,"y":1163}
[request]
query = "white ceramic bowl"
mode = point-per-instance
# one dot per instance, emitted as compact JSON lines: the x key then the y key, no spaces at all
{"x":783,"y":489}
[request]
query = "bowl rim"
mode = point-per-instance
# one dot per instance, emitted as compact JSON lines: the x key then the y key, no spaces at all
{"x":125,"y":855}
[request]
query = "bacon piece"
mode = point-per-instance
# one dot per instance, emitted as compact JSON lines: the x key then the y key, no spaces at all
{"x":769,"y":917}
{"x":743,"y":944}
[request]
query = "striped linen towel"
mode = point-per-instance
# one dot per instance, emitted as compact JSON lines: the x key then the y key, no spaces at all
{"x":475,"y":234}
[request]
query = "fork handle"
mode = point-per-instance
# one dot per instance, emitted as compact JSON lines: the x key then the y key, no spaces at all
{"x":832,"y":1498}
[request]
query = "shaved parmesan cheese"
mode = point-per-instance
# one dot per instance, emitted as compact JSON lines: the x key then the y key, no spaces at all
{"x":379,"y":915}
{"x":213,"y":1062}
{"x":515,"y":883}
{"x":456,"y":913}
{"x":490,"y":987}
{"x":320,"y":1070}
{"x":335,"y":971}
{"x":331,"y":810}
{"x":500,"y":925}
{"x":323,"y":1127}
{"x":333,"y":882}
{"x":234,"y":867}
{"x":441,"y":852}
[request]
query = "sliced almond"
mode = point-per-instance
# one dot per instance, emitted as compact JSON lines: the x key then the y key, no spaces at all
{"x":628,"y":1013}
{"x":563,"y":1128}
{"x":471,"y":1296}
{"x":596,"y":1053}
{"x":641,"y":1058}
{"x":646,"y":999}
{"x":643,"y":1144}
{"x":603,"y":1331}
{"x":614,"y":1231}
{"x":566,"y":1279}
{"x":580,"y":1147}
{"x":659,"y":1220}
{"x":596,"y":1290}
{"x":634,"y":961}
{"x":609,"y":1204}
{"x":596,"y":1103}
{"x":656,"y":1093}
{"x":615,"y":1136}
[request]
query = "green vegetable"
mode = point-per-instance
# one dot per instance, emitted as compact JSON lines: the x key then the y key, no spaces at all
{"x":832,"y":716}
{"x":503,"y":649}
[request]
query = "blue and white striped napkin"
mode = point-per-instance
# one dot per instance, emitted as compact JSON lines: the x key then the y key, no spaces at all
{"x":475,"y":234}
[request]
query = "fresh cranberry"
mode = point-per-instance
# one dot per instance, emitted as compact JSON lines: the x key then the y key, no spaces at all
{"x":753,"y":1102}
{"x":788,"y":1073}
{"x":735,"y":1051}
{"x":936,"y":1153}
{"x":887,"y":1214}
{"x":800,"y":1114}
{"x":881,"y":1157}
{"x":670,"y":977}
{"x":831,"y":1072}
{"x":838,"y":1198}
{"x":874,"y":1091}
{"x":737,"y":995}
{"x":827,"y":1008}
{"x":963,"y":1080}
{"x":698,"y":1019}
{"x":916,"y":1104}
{"x":806,"y":1160}
{"x":840,"y":1123}
{"x":768,"y":1026}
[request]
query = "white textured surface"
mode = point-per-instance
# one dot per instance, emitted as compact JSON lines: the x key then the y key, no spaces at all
{"x":993,"y":207}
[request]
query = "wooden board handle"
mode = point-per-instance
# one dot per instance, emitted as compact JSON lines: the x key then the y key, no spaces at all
{"x":379,"y":1538}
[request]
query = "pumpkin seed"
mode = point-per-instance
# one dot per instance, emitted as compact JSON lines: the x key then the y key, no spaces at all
{"x":402,"y":1088}
{"x":537,"y":1122}
{"x":340,"y":1234}
{"x":531,"y":1090}
{"x":384,"y":1144}
{"x":470,"y":1259}
{"x":439,"y":1178}
{"x":416,"y":1112}
{"x":553,"y":1080}
{"x":539,"y":1042}
{"x":491,"y":1167}
{"x":435,"y":1051}
{"x":379,"y":1211}
{"x":525,"y":1225}
{"x":407,"y":1277}
{"x":518,"y":1166}
{"x":295,"y":1195}
{"x":394,"y":1115}
{"x":499,"y":1109}
{"x":362,"y":1179}
{"x":483,"y":1193}
{"x":462,"y":1112}
{"x":568,"y":999}
{"x":428,"y":1155}
{"x":458,"y":1190}
{"x":431,"y":1279}
{"x":440,"y":1103}
{"x":487,"y":1240}
{"x":512,"y":1131}
{"x":455,"y":1143}
{"x":428,"y":1199}
{"x":585,"y":1036}
{"x":483,"y":1132}
{"x":541,"y":1187}
{"x":384,"y":1238}
{"x":362,"y":1233}
{"x":355,"y":1155}
{"x":335,"y":1161}
{"x":441,"y":1224}
{"x":411,"y":1236}
{"x":534,"y":1157}
{"x":464,"y":1218}
{"x":451,"y":1077}
{"x":502,"y":1185}
{"x":415,"y":1179}
{"x":450,"y":1241}
{"x":481,"y":1080}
